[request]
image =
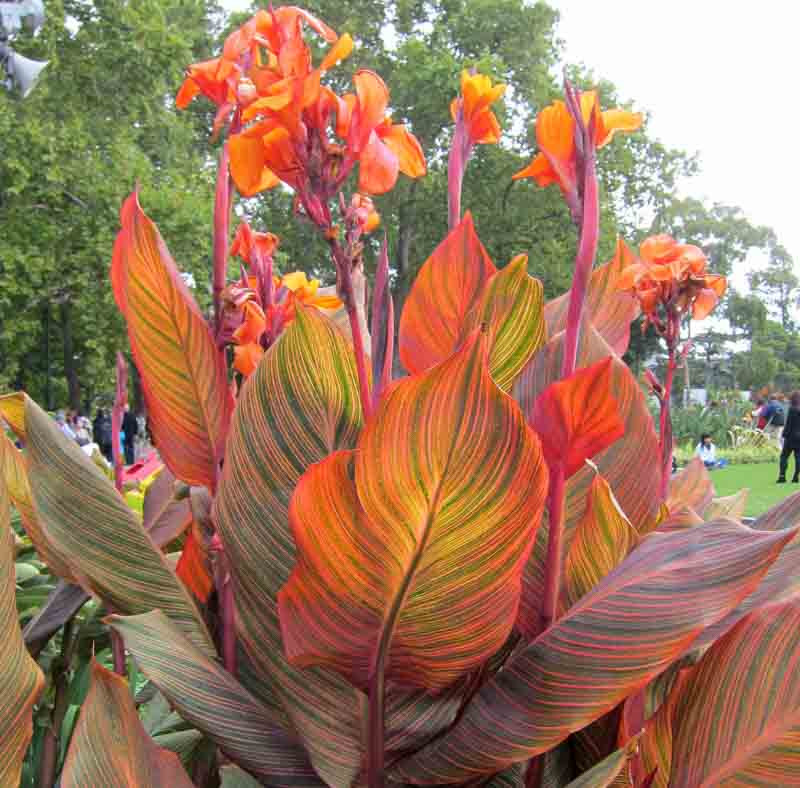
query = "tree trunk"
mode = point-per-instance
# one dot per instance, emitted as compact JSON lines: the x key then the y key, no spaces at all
{"x":70,"y":370}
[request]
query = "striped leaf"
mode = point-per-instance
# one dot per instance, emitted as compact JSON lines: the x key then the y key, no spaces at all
{"x":233,"y":777}
{"x":607,"y":771}
{"x":578,"y":418}
{"x":165,"y":518}
{"x":183,"y":375}
{"x":15,"y":478}
{"x":609,"y":309}
{"x":111,"y":748}
{"x":446,"y":289}
{"x":691,"y":486}
{"x":616,"y":639}
{"x":299,"y":405}
{"x":511,"y":307}
{"x":21,"y":681}
{"x":603,"y":538}
{"x":410,"y":547}
{"x":732,"y":506}
{"x":456,"y":291}
{"x":85,"y":520}
{"x":737,"y":720}
{"x":783,"y":578}
{"x":211,"y":700}
{"x":682,"y":517}
{"x":625,"y":465}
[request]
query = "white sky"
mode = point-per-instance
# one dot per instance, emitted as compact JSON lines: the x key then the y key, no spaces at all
{"x":716,"y":77}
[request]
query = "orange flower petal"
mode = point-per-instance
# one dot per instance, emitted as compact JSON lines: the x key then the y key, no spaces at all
{"x":407,"y":149}
{"x":373,"y":98}
{"x":188,"y":90}
{"x":248,"y":165}
{"x":615,"y":120}
{"x":246,"y":358}
{"x":657,"y":247}
{"x":324,"y":302}
{"x":704,"y":303}
{"x":555,"y":131}
{"x":252,"y":326}
{"x":378,"y":167}
{"x":540,"y":170}
{"x":485,"y":129}
{"x":718,"y":284}
{"x":338,"y":52}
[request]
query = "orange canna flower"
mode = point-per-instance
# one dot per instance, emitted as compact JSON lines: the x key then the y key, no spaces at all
{"x":477,"y":95}
{"x":367,"y":218}
{"x":382,"y":148}
{"x":252,"y":326}
{"x":674,"y":276}
{"x":555,"y":136}
{"x":247,"y":242}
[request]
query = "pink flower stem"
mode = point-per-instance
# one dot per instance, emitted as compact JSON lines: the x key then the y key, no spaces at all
{"x":222,"y":202}
{"x":460,"y":151}
{"x":665,"y":428}
{"x":118,"y":653}
{"x":555,"y":525}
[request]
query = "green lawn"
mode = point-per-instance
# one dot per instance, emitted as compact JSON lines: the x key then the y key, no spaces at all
{"x":760,"y":479}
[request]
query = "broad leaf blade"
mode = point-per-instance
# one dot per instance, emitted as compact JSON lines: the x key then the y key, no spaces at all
{"x":737,"y":720}
{"x":165,"y":518}
{"x":732,"y":506}
{"x":14,"y":475}
{"x":209,"y":698}
{"x":616,"y":639}
{"x":110,"y":746}
{"x":635,"y":484}
{"x":378,"y":528}
{"x":511,"y":308}
{"x":21,"y":681}
{"x":602,"y":540}
{"x":86,"y":521}
{"x":299,"y":405}
{"x":609,"y":309}
{"x":606,"y":772}
{"x":446,"y":289}
{"x":64,"y":601}
{"x":183,"y":374}
{"x":691,"y":486}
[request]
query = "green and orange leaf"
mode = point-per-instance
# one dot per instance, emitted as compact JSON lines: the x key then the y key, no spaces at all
{"x":21,"y":681}
{"x":183,"y":374}
{"x":211,"y":700}
{"x":300,"y":405}
{"x":86,"y":522}
{"x":732,"y":506}
{"x":737,"y":719}
{"x":622,"y":634}
{"x":608,"y":770}
{"x":602,"y":540}
{"x":609,"y":309}
{"x":691,"y":486}
{"x":409,"y":551}
{"x":110,"y":747}
{"x":165,"y":517}
{"x":578,"y":417}
{"x":447,"y":288}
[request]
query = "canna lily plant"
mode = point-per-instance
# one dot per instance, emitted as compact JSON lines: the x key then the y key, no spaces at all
{"x":477,"y":573}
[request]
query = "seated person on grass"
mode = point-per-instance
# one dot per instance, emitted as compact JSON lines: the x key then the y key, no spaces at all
{"x":707,"y":452}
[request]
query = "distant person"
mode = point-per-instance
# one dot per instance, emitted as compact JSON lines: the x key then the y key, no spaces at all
{"x":82,"y":428}
{"x":130,"y":428}
{"x":101,"y":428}
{"x":774,"y":416}
{"x":707,"y":451}
{"x":758,"y":415}
{"x":791,"y":440}
{"x":63,"y":425}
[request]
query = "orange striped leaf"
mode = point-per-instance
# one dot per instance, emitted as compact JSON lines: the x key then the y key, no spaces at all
{"x":732,"y":506}
{"x":456,"y":291}
{"x":299,"y":405}
{"x":111,"y":747}
{"x":609,"y":309}
{"x":15,"y":478}
{"x":578,"y":418}
{"x":608,"y":770}
{"x":88,"y":524}
{"x":737,"y":720}
{"x":21,"y":681}
{"x":635,"y":483}
{"x":211,"y":700}
{"x":691,"y":486}
{"x":165,"y":517}
{"x":608,"y":646}
{"x":446,"y":289}
{"x":183,"y":375}
{"x":447,"y":474}
{"x":602,"y":540}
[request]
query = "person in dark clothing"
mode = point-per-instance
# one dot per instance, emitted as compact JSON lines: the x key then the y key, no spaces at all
{"x":791,"y":440}
{"x":130,"y":427}
{"x":101,"y":431}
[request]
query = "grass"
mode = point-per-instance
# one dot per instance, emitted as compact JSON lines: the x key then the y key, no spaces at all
{"x":760,"y":478}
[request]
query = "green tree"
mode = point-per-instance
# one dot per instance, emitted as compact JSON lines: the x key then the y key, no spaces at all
{"x":755,"y":368}
{"x":778,"y":284}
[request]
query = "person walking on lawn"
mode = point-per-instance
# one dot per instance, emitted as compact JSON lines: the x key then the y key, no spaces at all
{"x":130,"y":427}
{"x":791,"y":440}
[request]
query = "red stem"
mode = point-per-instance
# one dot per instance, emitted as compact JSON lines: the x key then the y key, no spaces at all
{"x":118,"y":653}
{"x":584,"y":260}
{"x":222,"y":203}
{"x":375,"y":748}
{"x":665,"y":428}
{"x":555,"y":534}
